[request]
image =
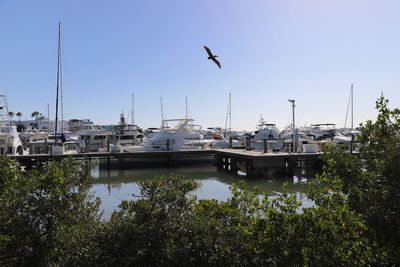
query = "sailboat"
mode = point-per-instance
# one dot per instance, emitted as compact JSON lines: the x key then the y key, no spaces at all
{"x":345,"y":135}
{"x":60,"y":138}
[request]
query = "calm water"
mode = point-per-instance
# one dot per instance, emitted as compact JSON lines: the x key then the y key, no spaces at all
{"x":116,"y":185}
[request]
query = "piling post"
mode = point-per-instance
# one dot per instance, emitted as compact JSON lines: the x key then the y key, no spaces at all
{"x":234,"y":167}
{"x":167,"y":144}
{"x":219,"y":161}
{"x":108,"y":145}
{"x":247,"y":142}
{"x":230,"y":142}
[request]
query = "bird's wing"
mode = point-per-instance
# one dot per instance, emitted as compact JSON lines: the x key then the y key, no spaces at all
{"x":216,"y":62}
{"x":208,"y":51}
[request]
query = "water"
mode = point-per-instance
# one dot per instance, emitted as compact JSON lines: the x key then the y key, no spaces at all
{"x":116,"y":185}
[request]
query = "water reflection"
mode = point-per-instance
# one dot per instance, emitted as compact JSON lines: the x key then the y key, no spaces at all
{"x":113,"y":186}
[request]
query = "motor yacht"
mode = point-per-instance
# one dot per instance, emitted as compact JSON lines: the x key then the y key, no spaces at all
{"x":179,"y":137}
{"x":10,"y":143}
{"x":268,"y":132}
{"x":127,"y":135}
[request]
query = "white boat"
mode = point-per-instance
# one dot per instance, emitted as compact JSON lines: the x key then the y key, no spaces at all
{"x":72,"y":147}
{"x":268,"y":132}
{"x":127,"y":135}
{"x":10,"y":144}
{"x":322,"y":131}
{"x":35,"y":141}
{"x":178,"y":138}
{"x":94,"y":138}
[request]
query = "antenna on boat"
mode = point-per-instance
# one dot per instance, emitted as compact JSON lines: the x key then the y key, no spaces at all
{"x":228,"y":114}
{"x":58,"y":80}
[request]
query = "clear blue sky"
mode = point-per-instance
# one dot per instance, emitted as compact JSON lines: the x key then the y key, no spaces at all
{"x":310,"y":51}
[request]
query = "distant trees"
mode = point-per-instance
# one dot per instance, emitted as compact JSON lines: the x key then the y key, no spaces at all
{"x":35,"y":115}
{"x":19,"y":115}
{"x":11,"y":115}
{"x":19,"y":126}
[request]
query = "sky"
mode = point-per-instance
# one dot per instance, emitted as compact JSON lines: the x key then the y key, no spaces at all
{"x":270,"y":51}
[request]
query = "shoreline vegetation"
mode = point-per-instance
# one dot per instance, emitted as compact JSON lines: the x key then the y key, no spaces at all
{"x":49,"y":218}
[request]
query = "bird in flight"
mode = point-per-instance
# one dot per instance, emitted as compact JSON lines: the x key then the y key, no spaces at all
{"x":212,"y":57}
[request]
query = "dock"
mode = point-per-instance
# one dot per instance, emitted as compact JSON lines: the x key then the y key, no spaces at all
{"x":258,"y":163}
{"x":227,"y":160}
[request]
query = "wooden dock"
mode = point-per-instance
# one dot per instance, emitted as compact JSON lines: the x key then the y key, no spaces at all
{"x":257,"y":163}
{"x":228,"y":160}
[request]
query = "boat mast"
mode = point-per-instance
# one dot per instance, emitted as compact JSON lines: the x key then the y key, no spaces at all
{"x":58,"y":81}
{"x":228,"y":114}
{"x":162,"y":113}
{"x":186,"y":105}
{"x":349,"y":106}
{"x":351,"y":93}
{"x":61,"y":90}
{"x":133,"y":109}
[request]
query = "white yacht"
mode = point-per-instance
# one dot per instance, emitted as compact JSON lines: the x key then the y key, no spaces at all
{"x":322,"y":131}
{"x":127,"y":135}
{"x":10,"y":144}
{"x":269,"y":132}
{"x":36,"y":141}
{"x":180,"y":137}
{"x":94,"y":138}
{"x":304,"y":142}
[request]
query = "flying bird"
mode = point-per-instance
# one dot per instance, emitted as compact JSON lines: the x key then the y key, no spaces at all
{"x":212,"y":57}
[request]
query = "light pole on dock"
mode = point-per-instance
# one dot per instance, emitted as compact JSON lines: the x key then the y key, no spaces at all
{"x":293,"y":124}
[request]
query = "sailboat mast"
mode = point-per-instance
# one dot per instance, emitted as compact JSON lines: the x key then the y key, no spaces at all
{"x":162,"y":113}
{"x":133,"y":109}
{"x":352,"y":120}
{"x":186,"y":105}
{"x":61,"y":90}
{"x":58,"y":81}
{"x":230,"y":112}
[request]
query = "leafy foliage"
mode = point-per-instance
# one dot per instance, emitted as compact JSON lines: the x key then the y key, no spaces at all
{"x":371,"y":180}
{"x":45,"y":216}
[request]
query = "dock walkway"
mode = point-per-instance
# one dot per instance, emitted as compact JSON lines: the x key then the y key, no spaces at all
{"x":229,"y":160}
